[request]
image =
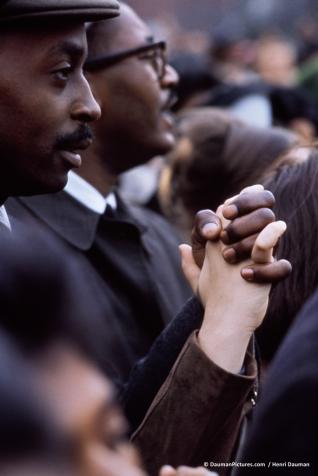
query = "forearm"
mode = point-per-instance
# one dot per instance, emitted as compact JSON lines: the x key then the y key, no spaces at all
{"x":197,"y":412}
{"x":224,"y":338}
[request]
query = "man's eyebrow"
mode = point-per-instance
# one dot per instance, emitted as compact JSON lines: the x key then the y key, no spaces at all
{"x":72,"y":49}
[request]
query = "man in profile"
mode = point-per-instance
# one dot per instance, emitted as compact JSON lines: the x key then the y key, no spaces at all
{"x":45,"y":101}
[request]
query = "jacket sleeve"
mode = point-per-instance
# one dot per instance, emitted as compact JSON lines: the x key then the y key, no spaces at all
{"x":149,"y":373}
{"x":196,"y":415}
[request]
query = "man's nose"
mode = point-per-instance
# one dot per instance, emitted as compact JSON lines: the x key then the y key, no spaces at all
{"x":170,"y":78}
{"x":85,"y":108}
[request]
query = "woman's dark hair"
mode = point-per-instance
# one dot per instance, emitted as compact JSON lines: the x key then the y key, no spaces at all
{"x":296,"y":191}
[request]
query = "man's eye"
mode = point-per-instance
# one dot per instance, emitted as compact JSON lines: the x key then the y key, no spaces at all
{"x":63,"y":74}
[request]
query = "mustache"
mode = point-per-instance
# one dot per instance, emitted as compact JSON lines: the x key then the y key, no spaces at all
{"x":71,"y":141}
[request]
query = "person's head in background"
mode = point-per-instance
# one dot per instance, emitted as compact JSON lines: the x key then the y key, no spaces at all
{"x":30,"y":444}
{"x":134,"y":86}
{"x":46,"y":103}
{"x":265,"y":105}
{"x":294,"y":181}
{"x":232,"y":52}
{"x":275,"y":60}
{"x":294,"y":108}
{"x":55,"y":325}
{"x":196,"y":80}
{"x":213,"y":148}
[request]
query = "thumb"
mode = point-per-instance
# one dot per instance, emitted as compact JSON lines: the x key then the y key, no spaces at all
{"x":189,"y":267}
{"x":167,"y":471}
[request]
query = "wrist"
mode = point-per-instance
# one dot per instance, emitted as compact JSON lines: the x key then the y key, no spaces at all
{"x":225,"y":342}
{"x":228,"y":321}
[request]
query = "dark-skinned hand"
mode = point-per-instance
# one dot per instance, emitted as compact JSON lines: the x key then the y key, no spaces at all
{"x":249,"y":212}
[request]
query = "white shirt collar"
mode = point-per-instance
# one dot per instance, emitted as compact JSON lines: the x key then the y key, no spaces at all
{"x":4,"y":219}
{"x":88,"y":195}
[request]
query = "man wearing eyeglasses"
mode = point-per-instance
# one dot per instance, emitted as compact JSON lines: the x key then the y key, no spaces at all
{"x":137,"y":125}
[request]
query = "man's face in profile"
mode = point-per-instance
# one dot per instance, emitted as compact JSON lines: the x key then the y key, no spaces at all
{"x":45,"y":105}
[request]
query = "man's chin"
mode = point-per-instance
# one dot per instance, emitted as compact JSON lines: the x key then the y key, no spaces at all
{"x":42,"y":188}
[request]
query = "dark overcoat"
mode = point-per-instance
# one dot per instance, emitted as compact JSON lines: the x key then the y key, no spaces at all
{"x":130,"y":260}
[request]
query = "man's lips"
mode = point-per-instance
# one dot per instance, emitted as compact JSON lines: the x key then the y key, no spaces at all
{"x":74,"y":159}
{"x":70,"y":153}
{"x":166,"y":112}
{"x":168,"y":118}
{"x":169,"y":102}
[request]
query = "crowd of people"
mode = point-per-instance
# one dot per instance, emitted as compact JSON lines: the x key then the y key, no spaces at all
{"x":168,"y":338}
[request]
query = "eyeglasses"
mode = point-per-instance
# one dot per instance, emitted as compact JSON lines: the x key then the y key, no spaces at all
{"x":153,"y":52}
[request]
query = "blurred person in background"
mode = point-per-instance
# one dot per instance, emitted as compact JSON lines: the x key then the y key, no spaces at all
{"x":275,"y":60}
{"x":36,"y":437}
{"x":308,"y":61}
{"x":294,"y":108}
{"x":30,"y":443}
{"x":196,"y":80}
{"x":264,"y":105}
{"x":55,"y":326}
{"x":293,"y":179}
{"x":284,"y":426}
{"x":231,"y":55}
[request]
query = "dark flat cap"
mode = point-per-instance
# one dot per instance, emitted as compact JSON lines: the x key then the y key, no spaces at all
{"x":13,"y":11}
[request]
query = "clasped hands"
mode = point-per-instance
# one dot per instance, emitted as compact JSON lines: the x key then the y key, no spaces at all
{"x":231,"y":267}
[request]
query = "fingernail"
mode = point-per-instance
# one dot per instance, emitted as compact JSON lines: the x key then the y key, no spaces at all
{"x":230,"y":211}
{"x":210,"y":229}
{"x":167,"y":469}
{"x":248,"y":274}
{"x":230,"y":255}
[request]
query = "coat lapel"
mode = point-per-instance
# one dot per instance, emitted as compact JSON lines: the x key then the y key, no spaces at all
{"x":68,"y":218}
